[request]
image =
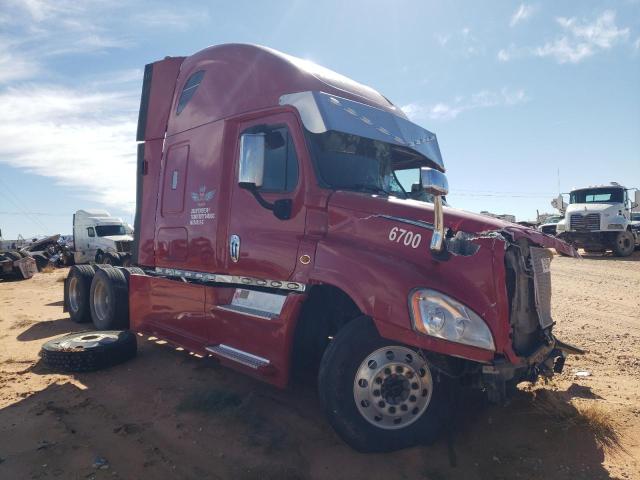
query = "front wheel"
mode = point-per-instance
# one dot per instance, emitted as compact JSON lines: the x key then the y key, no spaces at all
{"x":625,"y":244}
{"x":379,"y":395}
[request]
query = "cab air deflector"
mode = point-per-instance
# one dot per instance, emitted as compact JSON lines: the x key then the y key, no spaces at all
{"x":321,"y":112}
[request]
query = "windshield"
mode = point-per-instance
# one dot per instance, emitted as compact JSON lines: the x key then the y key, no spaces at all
{"x":351,"y":162}
{"x":108,"y":230}
{"x":635,"y":217}
{"x":554,"y":219}
{"x":597,"y":195}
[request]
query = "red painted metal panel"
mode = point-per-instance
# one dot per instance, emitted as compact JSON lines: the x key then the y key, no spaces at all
{"x":163,"y":85}
{"x":268,"y":245}
{"x":175,"y":177}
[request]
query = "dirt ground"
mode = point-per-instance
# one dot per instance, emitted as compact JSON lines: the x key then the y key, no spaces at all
{"x":168,"y":414}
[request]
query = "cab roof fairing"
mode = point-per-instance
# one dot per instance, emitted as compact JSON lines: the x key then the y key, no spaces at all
{"x":321,"y":112}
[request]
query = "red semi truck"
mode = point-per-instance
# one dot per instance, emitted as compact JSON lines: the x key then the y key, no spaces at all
{"x":290,"y":221}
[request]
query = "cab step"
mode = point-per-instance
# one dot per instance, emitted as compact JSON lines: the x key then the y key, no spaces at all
{"x":238,"y":356}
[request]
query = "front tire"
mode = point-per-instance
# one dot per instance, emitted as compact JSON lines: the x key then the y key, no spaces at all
{"x":379,"y":395}
{"x":624,"y":245}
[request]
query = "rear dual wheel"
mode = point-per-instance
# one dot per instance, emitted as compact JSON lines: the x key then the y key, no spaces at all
{"x":109,"y":299}
{"x":100,"y":295}
{"x":378,"y":395}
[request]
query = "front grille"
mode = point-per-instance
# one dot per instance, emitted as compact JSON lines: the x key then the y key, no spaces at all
{"x":541,"y":266}
{"x":591,"y":221}
{"x":524,"y":316}
{"x":123,"y":247}
{"x":549,"y":229}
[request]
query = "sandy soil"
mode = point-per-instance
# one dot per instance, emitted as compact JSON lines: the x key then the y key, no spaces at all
{"x":168,"y":414}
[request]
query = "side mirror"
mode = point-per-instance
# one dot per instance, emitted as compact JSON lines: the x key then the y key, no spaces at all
{"x":252,"y":148}
{"x":636,"y":202}
{"x":435,"y":183}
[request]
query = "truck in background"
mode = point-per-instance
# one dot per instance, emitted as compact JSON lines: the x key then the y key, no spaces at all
{"x":275,"y":231}
{"x":598,"y":218}
{"x":98,"y":237}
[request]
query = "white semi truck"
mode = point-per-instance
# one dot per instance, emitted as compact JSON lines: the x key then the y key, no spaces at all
{"x":598,"y":218}
{"x":98,"y":237}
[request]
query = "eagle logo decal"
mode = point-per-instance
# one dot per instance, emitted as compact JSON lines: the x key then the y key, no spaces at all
{"x":202,"y":196}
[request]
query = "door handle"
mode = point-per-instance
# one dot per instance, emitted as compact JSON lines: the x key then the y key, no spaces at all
{"x":234,"y":248}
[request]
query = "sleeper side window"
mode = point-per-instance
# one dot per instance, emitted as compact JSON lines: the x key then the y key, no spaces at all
{"x":280,"y":160}
{"x":189,"y":89}
{"x":91,"y":232}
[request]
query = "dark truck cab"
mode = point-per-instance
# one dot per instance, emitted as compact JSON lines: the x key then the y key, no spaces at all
{"x":279,"y":229}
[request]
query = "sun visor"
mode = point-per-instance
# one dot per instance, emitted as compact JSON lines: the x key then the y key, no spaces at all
{"x":321,"y":112}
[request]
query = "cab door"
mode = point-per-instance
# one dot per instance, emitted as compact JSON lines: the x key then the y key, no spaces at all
{"x":259,"y":245}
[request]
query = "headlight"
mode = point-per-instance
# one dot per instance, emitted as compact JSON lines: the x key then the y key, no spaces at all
{"x":614,"y":226}
{"x":560,"y":227}
{"x":438,"y":315}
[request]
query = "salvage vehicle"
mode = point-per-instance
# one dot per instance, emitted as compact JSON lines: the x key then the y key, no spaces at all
{"x":50,"y":251}
{"x":598,"y":218}
{"x":550,"y":224}
{"x":13,"y":264}
{"x":275,"y":230}
{"x":98,"y":237}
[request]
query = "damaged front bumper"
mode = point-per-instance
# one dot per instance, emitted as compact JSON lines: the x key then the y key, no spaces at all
{"x":499,"y":379}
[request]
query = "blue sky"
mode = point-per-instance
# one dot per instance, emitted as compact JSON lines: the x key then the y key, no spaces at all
{"x":515,"y":91}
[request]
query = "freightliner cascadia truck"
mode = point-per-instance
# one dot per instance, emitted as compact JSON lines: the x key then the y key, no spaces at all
{"x":290,"y":223}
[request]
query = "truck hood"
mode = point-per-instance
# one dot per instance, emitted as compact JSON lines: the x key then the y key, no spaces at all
{"x":456,"y":220}
{"x":594,"y":208}
{"x":119,"y":238}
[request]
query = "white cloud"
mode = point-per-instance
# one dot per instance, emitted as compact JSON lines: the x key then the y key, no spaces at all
{"x":636,"y":44}
{"x":583,"y":39}
{"x":171,"y":19}
{"x":462,"y":42}
{"x":80,"y":139}
{"x":15,"y":67}
{"x":580,"y":40}
{"x":524,"y":12}
{"x":449,"y":111}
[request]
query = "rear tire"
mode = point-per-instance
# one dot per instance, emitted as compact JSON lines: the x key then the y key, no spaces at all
{"x":77,"y":289}
{"x":109,"y":299}
{"x":88,"y":351}
{"x":624,"y":245}
{"x":111,"y":259}
{"x":400,"y":404}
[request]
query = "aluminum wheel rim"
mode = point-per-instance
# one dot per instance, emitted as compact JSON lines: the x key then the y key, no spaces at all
{"x":74,"y":294}
{"x":392,"y":387}
{"x":101,"y":301}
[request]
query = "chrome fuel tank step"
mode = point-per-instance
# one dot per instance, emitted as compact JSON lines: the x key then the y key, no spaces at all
{"x":239,"y":356}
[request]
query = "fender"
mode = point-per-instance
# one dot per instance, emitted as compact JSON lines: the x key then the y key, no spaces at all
{"x":385,"y":298}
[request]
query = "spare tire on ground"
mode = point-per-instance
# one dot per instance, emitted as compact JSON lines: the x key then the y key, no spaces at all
{"x":88,"y":351}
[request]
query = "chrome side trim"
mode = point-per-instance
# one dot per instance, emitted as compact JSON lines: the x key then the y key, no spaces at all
{"x":247,"y":311}
{"x":231,"y":279}
{"x":415,"y":223}
{"x":239,"y":356}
